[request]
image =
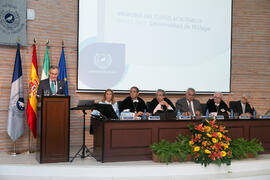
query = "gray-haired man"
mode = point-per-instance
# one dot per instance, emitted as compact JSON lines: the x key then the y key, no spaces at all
{"x":189,"y":105}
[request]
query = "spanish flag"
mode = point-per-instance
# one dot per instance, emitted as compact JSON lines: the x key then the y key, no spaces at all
{"x":32,"y":100}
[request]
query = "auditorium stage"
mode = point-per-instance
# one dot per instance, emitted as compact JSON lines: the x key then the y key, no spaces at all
{"x":25,"y":167}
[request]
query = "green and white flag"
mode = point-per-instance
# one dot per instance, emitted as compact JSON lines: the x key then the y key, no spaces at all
{"x":46,"y":65}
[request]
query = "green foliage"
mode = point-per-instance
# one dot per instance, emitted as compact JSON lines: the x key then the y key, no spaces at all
{"x":184,"y":149}
{"x":208,"y":144}
{"x":241,"y":147}
{"x":168,"y":152}
{"x":164,"y":151}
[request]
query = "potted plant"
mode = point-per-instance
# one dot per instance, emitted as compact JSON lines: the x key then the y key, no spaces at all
{"x":184,"y":148}
{"x":241,"y":148}
{"x":166,"y":151}
{"x":163,"y":151}
{"x":210,"y":144}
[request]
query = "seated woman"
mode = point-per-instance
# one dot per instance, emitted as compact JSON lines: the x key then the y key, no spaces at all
{"x":108,"y":98}
{"x":217,"y":106}
{"x":133,"y":102}
{"x":161,"y":103}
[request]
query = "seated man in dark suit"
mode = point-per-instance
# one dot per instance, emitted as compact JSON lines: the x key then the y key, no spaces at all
{"x":161,"y":103}
{"x":242,"y":107}
{"x":189,"y":105}
{"x":133,"y":102}
{"x":217,"y":106}
{"x":52,"y":85}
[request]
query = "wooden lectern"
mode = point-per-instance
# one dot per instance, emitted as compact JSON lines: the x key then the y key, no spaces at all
{"x":53,"y":129}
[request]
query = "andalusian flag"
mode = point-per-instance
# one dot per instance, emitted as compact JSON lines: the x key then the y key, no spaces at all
{"x":32,"y":100}
{"x":46,"y":65}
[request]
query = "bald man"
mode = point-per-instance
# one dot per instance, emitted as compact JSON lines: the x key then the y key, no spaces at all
{"x":217,"y":106}
{"x":242,"y":107}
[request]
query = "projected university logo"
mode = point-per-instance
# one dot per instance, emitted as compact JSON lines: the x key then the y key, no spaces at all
{"x":103,"y":61}
{"x":102,"y":65}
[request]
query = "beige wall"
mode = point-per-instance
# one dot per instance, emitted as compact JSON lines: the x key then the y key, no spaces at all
{"x":56,"y":20}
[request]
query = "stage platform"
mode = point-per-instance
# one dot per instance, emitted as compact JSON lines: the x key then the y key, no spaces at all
{"x":25,"y":167}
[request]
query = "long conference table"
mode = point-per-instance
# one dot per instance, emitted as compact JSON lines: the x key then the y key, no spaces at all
{"x":130,"y":140}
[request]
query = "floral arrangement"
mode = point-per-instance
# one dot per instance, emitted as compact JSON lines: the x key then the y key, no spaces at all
{"x":209,"y":143}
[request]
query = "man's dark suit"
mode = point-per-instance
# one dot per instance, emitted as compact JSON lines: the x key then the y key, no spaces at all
{"x":183,"y":105}
{"x":45,"y":85}
{"x":238,"y":108}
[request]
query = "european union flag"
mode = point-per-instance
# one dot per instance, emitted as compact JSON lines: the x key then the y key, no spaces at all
{"x":63,"y":71}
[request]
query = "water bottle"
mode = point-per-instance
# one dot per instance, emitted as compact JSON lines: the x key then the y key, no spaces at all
{"x":207,"y":114}
{"x":254,"y":114}
{"x":144,"y":117}
{"x":231,"y":116}
{"x":178,"y":114}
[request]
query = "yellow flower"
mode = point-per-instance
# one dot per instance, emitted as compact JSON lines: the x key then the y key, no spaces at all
{"x":191,"y":142}
{"x":214,"y":140}
{"x":207,"y":151}
{"x":197,"y":148}
{"x":208,"y":129}
{"x":223,"y":153}
{"x":219,"y":135}
{"x":209,"y":135}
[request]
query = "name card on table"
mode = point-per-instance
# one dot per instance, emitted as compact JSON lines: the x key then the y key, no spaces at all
{"x":244,"y":117}
{"x":185,"y":117}
{"x":264,"y":117}
{"x":154,"y":118}
{"x":219,"y":117}
{"x":126,"y":118}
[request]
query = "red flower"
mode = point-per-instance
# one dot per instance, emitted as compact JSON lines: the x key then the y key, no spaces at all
{"x":212,"y":123}
{"x":199,"y":127}
{"x":218,"y":146}
{"x":214,"y":134}
{"x":221,"y":129}
{"x":212,"y":156}
{"x":219,"y":154}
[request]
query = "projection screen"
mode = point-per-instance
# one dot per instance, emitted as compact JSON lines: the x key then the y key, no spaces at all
{"x":154,"y":44}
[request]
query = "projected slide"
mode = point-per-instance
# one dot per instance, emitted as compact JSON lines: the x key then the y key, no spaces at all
{"x":167,"y":44}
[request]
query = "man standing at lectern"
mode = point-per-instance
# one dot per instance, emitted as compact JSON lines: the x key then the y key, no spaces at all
{"x":52,"y":85}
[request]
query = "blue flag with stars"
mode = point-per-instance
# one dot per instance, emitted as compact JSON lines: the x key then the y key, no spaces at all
{"x":63,"y":71}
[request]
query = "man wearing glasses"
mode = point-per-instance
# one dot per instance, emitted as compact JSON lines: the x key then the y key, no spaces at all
{"x":189,"y":105}
{"x":52,"y":85}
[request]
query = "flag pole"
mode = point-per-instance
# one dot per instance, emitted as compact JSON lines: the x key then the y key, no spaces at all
{"x":29,"y":142}
{"x":29,"y":130}
{"x":14,"y":153}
